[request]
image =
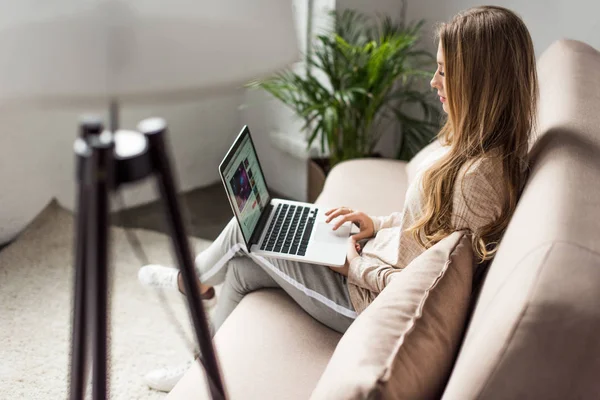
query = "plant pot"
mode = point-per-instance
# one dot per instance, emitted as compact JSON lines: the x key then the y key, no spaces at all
{"x":318,"y":168}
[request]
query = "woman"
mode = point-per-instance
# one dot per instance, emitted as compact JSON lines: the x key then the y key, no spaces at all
{"x":486,"y":80}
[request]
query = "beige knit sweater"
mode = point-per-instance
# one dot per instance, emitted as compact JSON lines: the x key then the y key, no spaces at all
{"x":391,"y":249}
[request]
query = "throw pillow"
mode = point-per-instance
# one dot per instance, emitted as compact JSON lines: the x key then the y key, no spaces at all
{"x":404,"y":344}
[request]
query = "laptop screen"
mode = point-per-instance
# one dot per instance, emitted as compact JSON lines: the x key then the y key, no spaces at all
{"x":245,"y":183}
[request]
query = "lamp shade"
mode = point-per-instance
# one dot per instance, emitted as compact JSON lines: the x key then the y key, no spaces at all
{"x":78,"y":49}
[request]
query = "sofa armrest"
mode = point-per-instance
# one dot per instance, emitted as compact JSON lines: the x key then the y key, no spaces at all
{"x":376,"y":186}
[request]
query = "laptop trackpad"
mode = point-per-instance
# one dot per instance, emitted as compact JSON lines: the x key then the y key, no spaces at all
{"x":324,"y":233}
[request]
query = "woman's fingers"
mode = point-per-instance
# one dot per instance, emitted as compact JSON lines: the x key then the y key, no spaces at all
{"x":333,"y":214}
{"x":340,"y":221}
{"x":352,"y":217}
{"x":336,"y":212}
{"x":335,"y":209}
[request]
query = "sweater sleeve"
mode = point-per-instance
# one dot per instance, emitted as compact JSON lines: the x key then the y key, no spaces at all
{"x":369,"y":275}
{"x":394,"y":219}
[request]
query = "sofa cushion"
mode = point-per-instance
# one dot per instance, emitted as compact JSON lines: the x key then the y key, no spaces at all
{"x":268,"y":348}
{"x":373,"y":185}
{"x":534,"y":330}
{"x":404,"y":344}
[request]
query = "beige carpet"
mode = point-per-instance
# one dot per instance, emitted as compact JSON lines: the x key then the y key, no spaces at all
{"x":36,"y":283}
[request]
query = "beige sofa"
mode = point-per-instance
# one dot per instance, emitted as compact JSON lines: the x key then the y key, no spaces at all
{"x":535,"y":329}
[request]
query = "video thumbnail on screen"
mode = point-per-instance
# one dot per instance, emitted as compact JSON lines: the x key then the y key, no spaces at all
{"x":241,"y":185}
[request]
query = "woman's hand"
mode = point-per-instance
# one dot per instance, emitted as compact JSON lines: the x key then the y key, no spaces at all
{"x":360,"y":219}
{"x":351,"y":253}
{"x":353,"y":249}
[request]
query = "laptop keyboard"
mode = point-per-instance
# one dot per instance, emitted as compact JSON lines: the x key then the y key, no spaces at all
{"x":290,"y":229}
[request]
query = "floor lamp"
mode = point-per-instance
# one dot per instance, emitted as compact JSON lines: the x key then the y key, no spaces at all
{"x":67,"y":52}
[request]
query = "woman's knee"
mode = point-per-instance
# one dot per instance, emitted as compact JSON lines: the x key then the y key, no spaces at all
{"x":233,"y":228}
{"x":245,"y":276}
{"x":210,"y":261}
{"x":233,"y":277}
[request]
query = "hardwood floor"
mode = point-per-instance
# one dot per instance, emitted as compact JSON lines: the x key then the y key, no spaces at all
{"x":206,"y":212}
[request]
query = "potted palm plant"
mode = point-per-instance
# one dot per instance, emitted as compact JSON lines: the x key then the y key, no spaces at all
{"x":359,"y":76}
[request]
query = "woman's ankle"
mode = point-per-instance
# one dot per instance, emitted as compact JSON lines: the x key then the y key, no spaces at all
{"x":206,"y":292}
{"x":180,"y":283}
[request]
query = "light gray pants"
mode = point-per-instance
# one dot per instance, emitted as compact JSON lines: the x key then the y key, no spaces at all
{"x":318,"y":290}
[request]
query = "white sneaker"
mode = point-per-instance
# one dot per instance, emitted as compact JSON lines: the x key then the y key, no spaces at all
{"x":158,"y":276}
{"x":165,"y":379}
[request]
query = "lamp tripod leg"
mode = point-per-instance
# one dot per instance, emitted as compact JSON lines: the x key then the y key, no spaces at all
{"x":100,"y":179}
{"x":167,"y":188}
{"x":96,"y":174}
{"x":79,"y":332}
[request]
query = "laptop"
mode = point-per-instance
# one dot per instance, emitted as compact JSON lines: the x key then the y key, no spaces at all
{"x":277,"y":228}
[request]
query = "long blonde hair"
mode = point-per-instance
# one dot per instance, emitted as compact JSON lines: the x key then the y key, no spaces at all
{"x":491,"y":87}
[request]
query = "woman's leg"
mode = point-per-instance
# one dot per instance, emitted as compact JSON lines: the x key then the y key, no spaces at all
{"x":211,"y":263}
{"x":212,"y":268}
{"x":243,"y":276}
{"x":319,"y":291}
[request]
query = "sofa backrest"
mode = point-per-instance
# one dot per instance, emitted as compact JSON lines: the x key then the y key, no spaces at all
{"x":535,"y":330}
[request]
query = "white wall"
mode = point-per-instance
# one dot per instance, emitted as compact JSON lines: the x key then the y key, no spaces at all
{"x":264,"y":115}
{"x":378,"y":7}
{"x":37,"y":161}
{"x":547,"y":20}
